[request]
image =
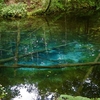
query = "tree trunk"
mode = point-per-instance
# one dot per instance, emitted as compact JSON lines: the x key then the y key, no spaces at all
{"x":48,"y":6}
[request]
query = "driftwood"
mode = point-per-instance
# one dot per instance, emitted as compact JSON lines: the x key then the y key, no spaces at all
{"x":53,"y":66}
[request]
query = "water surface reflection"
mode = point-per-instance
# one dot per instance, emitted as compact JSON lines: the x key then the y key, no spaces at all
{"x":47,"y":45}
{"x":41,"y":42}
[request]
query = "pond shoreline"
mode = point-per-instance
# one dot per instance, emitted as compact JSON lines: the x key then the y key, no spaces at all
{"x":14,"y":9}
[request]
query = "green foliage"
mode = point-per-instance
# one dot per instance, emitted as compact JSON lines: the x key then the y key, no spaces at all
{"x":14,"y":10}
{"x":2,"y":92}
{"x":56,"y":6}
{"x":60,"y":6}
{"x":1,"y":1}
{"x":69,"y":97}
{"x":83,"y":4}
{"x":1,"y":6}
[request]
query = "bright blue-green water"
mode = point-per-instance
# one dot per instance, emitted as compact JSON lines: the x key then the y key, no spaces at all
{"x":49,"y":42}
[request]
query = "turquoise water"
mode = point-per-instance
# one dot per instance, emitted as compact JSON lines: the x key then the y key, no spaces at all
{"x":50,"y":42}
{"x":50,"y":50}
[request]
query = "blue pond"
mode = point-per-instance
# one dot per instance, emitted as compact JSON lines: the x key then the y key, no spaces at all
{"x":34,"y":42}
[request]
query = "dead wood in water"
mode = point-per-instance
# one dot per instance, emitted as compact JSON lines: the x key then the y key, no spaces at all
{"x":24,"y":55}
{"x":53,"y":66}
{"x":86,"y":76}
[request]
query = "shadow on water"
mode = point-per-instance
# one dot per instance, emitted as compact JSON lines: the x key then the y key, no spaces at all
{"x":48,"y":42}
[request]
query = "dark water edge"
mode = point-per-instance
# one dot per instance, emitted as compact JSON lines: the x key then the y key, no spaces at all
{"x":55,"y":40}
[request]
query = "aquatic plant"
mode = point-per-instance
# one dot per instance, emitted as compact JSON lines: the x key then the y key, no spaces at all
{"x":3,"y":92}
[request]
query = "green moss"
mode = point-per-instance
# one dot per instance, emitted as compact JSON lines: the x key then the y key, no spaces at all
{"x":35,"y":12}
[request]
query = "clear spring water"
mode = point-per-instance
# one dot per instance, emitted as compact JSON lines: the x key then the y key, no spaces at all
{"x":51,"y":42}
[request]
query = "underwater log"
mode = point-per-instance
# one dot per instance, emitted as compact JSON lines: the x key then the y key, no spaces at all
{"x":53,"y":66}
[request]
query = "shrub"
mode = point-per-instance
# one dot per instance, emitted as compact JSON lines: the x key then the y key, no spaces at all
{"x":56,"y":6}
{"x":1,"y":1}
{"x":1,"y":6}
{"x":14,"y":10}
{"x":2,"y":92}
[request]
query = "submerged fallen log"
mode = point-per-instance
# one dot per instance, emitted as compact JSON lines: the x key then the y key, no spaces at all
{"x":52,"y":66}
{"x":30,"y":53}
{"x":87,"y":75}
{"x":7,"y":59}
